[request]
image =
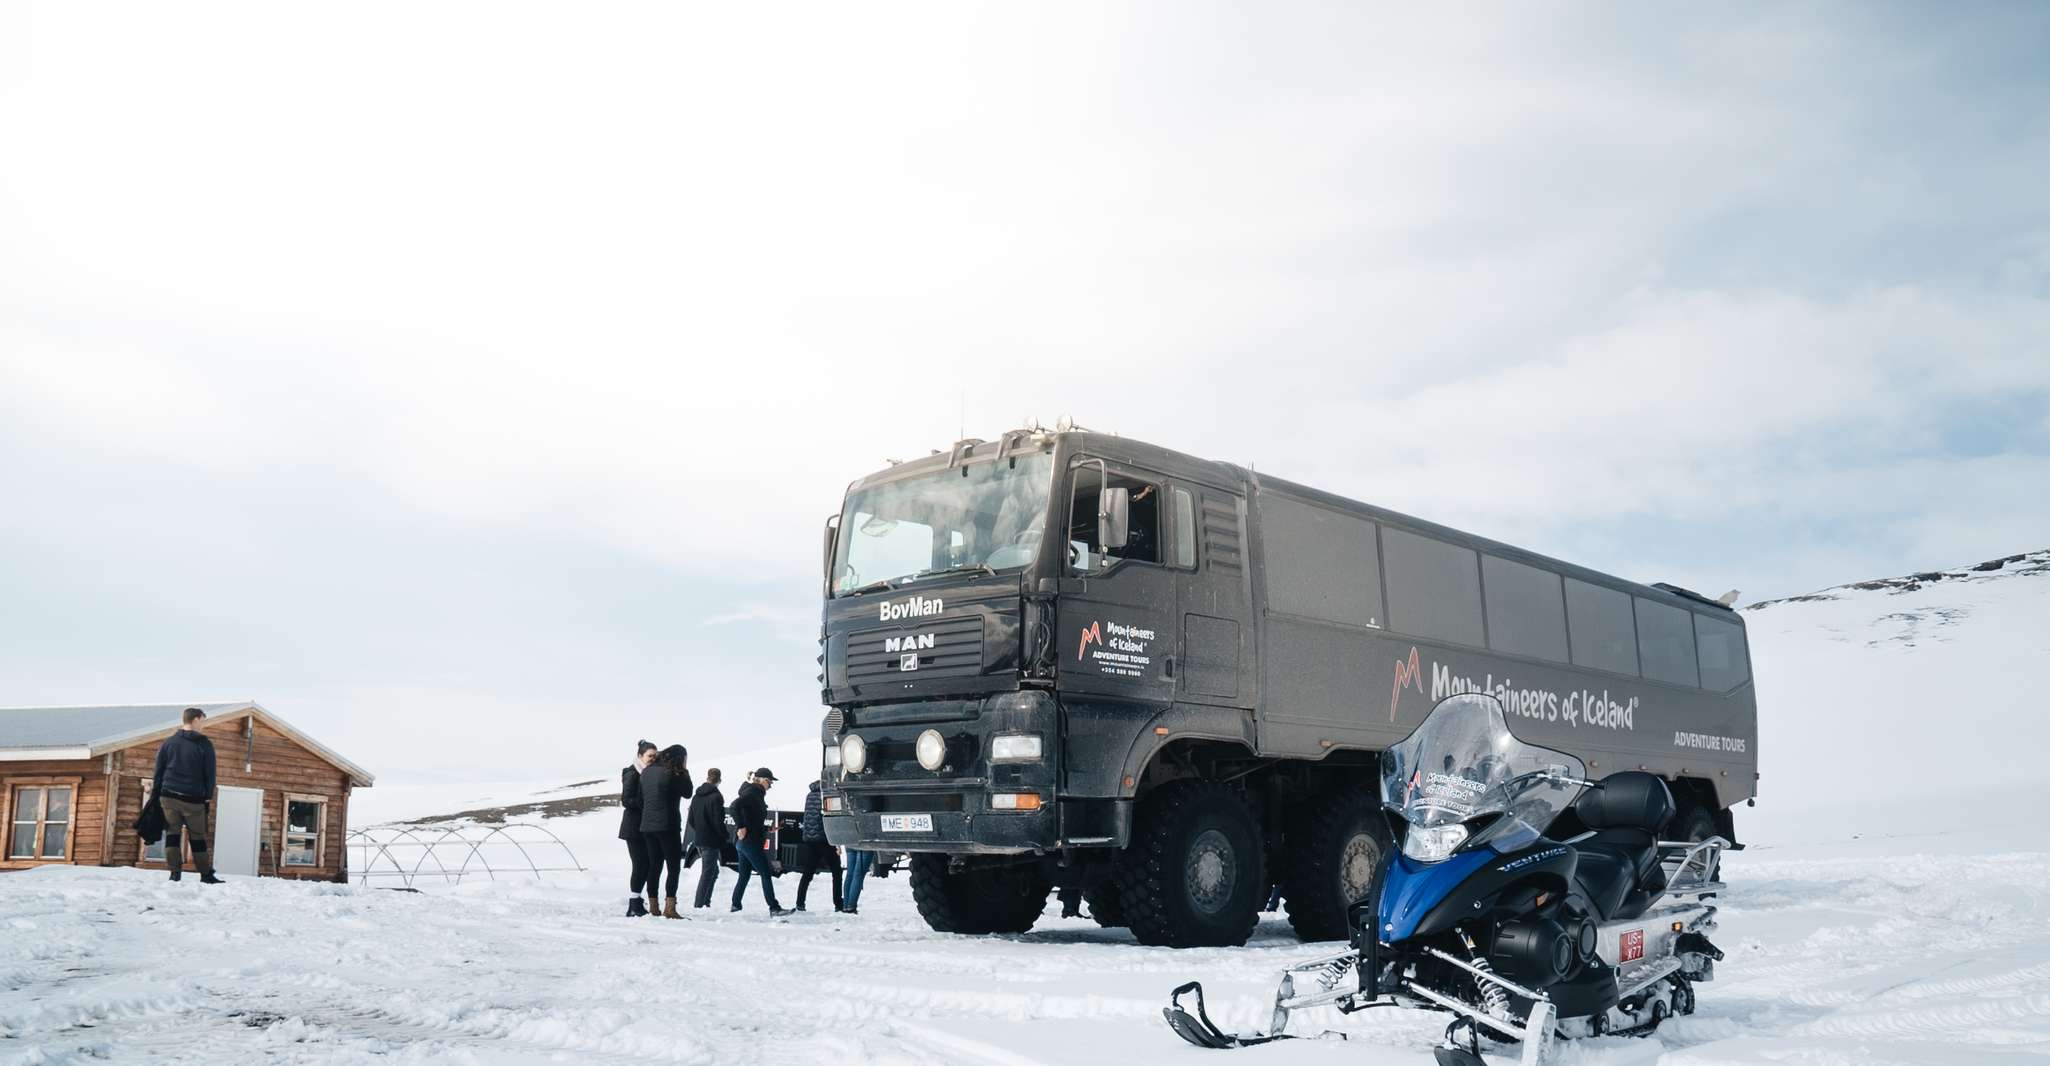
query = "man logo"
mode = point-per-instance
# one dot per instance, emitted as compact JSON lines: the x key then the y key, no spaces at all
{"x":908,"y":663}
{"x":918,"y":642}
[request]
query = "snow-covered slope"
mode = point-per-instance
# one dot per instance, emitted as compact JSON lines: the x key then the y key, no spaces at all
{"x":1902,"y":705}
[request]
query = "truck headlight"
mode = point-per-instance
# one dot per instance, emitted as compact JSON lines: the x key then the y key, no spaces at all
{"x":853,"y":754}
{"x":1016,"y":747}
{"x":932,"y":749}
{"x":832,"y":756}
{"x":1433,"y":844}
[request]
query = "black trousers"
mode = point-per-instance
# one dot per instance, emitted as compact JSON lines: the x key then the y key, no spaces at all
{"x":819,"y":854}
{"x":637,"y":850}
{"x":708,"y":875}
{"x":665,"y":850}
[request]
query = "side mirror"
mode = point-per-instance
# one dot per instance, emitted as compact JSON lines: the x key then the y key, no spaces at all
{"x":832,"y":538}
{"x":1114,"y":518}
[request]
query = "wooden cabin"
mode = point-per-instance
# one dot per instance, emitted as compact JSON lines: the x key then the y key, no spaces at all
{"x":73,"y":780}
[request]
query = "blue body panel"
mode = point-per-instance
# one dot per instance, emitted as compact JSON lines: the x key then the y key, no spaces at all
{"x":1413,"y":888}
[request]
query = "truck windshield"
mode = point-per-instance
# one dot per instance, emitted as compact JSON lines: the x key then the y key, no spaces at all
{"x":988,"y":514}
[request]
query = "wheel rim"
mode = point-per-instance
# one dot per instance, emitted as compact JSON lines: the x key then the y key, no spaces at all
{"x":1212,"y":871}
{"x":1356,"y":866}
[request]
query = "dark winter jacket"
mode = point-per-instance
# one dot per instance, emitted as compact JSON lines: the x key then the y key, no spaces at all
{"x":662,"y":792}
{"x":185,"y":768}
{"x":751,"y":812}
{"x":630,"y":798}
{"x":814,"y":815}
{"x":149,"y":825}
{"x":707,"y":827}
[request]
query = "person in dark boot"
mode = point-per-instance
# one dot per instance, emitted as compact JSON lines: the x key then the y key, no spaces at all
{"x":707,"y":828}
{"x":818,"y":851}
{"x":663,"y":785}
{"x":630,"y":826}
{"x":184,"y":785}
{"x":750,"y":833}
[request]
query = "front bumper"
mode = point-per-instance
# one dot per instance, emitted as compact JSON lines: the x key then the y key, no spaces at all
{"x":956,"y":797}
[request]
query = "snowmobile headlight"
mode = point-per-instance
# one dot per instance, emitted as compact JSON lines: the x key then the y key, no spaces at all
{"x":932,"y":749}
{"x":1016,"y":747}
{"x":1434,"y":843}
{"x":853,"y":754}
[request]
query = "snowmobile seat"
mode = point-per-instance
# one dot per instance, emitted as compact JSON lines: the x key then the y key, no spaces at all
{"x":1619,"y":867}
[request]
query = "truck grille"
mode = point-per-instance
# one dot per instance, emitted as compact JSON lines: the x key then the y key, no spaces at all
{"x":955,"y":651}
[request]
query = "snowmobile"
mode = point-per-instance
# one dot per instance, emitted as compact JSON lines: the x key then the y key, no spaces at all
{"x":1522,"y":938}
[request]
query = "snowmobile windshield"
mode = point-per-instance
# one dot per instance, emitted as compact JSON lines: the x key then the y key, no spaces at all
{"x":1463,"y":762}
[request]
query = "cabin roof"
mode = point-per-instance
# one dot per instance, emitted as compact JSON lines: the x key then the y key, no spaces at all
{"x":56,"y":733}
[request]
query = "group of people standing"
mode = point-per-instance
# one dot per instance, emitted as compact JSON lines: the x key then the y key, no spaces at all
{"x":662,"y":837}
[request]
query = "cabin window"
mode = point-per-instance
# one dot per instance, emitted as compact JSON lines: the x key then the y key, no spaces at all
{"x":1321,"y":564}
{"x":1725,"y":663}
{"x":1142,"y":545}
{"x":40,"y":826}
{"x":305,"y":819}
{"x":1434,"y":588}
{"x":1184,"y":530}
{"x":1598,"y":620}
{"x":1526,"y":609}
{"x":1665,"y":640}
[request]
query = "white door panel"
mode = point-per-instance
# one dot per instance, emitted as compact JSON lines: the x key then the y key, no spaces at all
{"x":238,"y":827}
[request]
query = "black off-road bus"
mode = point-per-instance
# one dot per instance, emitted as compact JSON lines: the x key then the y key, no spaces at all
{"x":1066,"y":659}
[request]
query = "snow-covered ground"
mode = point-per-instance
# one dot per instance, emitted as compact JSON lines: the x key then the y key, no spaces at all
{"x":1932,"y":951}
{"x":1894,"y":908}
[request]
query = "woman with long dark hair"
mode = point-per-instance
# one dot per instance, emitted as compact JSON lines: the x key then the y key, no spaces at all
{"x":630,"y":828}
{"x":664,"y":785}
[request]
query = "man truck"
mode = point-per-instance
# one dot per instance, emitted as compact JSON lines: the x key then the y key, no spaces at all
{"x":1071,"y":660}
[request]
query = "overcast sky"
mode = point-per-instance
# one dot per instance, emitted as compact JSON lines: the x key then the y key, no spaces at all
{"x":468,"y":382}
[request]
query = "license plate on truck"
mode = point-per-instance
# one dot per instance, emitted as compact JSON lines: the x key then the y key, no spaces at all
{"x":907,"y":823}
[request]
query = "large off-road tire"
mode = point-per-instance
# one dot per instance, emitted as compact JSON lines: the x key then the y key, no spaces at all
{"x":1194,"y":873}
{"x":1106,"y":905}
{"x":1332,"y":861}
{"x":986,"y":899}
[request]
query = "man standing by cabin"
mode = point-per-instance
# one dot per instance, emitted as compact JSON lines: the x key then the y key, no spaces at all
{"x":184,"y":786}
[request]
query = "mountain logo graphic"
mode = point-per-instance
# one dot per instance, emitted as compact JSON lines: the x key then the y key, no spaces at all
{"x":1091,"y":634}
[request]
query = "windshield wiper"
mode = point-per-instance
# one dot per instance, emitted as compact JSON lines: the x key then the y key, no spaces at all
{"x":873,"y":586}
{"x":981,"y":568}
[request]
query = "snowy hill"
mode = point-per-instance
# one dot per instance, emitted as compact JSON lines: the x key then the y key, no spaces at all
{"x":1895,"y":705}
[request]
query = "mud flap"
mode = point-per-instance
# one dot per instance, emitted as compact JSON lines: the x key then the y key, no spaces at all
{"x":1199,"y":1030}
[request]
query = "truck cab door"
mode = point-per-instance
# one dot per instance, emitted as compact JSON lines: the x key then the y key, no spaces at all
{"x":1207,"y":545}
{"x":1117,"y":634}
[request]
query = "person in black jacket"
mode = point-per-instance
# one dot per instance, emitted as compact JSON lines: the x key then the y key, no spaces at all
{"x":819,"y":853}
{"x":750,"y":831}
{"x":184,"y":786}
{"x":630,"y":827}
{"x":663,"y":785}
{"x":705,"y":835}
